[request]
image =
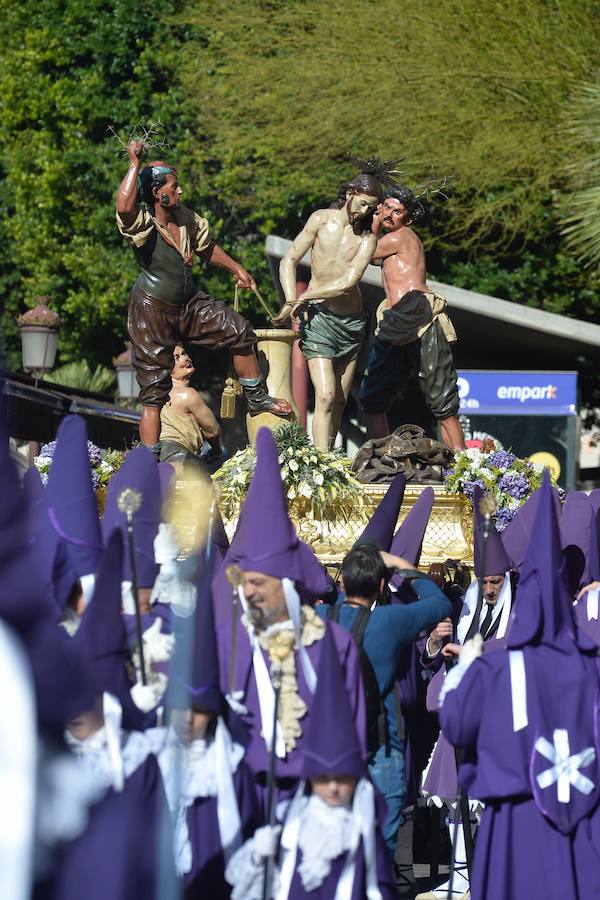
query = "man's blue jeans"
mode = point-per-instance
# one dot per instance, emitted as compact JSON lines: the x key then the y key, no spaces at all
{"x":387,"y":774}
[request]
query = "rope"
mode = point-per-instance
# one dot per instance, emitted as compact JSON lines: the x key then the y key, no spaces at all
{"x":236,"y":301}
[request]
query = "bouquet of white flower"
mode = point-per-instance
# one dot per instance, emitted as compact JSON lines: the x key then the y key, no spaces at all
{"x":323,"y":479}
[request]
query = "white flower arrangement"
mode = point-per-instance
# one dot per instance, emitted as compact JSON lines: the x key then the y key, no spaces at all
{"x":324,"y":479}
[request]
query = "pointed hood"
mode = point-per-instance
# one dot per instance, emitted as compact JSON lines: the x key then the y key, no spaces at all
{"x":270,"y":542}
{"x":543,"y":612}
{"x":102,"y":639}
{"x":576,"y":535}
{"x":71,"y":507}
{"x":221,"y":587}
{"x":140,"y":472}
{"x":13,"y":520}
{"x":496,"y":557}
{"x":516,"y":536}
{"x":33,"y":500}
{"x":594,"y":553}
{"x":408,"y":539}
{"x":198,"y":645}
{"x":219,"y":537}
{"x":25,"y":591}
{"x":381,"y":526}
{"x":331,"y":750}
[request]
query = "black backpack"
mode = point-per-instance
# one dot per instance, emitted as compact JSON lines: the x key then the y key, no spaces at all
{"x":377,"y":726}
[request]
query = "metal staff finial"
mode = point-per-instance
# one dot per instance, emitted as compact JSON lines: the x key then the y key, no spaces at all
{"x":129,"y":502}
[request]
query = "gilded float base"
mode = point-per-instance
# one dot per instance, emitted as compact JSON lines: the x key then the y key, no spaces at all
{"x":449,"y":533}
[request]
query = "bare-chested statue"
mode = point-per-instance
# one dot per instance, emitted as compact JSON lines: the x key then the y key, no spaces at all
{"x":333,"y":324}
{"x":414,"y":332}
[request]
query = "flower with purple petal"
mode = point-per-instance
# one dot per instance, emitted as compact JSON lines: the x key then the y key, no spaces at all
{"x":503,"y":517}
{"x":501,"y":459}
{"x":95,"y":479}
{"x":48,"y":449}
{"x":469,"y":487}
{"x":515,"y":485}
{"x":94,"y":454}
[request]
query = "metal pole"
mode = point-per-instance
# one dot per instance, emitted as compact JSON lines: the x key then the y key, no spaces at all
{"x":129,"y":501}
{"x":276,"y":680}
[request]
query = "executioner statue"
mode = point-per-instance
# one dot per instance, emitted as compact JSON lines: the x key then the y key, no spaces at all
{"x":331,"y":310}
{"x":165,"y":306}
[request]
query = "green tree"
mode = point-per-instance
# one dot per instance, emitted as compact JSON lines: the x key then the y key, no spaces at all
{"x":71,"y":69}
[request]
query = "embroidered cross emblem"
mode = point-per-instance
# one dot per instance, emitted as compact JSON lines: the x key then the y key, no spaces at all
{"x":565,"y":768}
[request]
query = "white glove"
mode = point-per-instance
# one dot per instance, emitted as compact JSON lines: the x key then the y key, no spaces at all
{"x":266,"y":841}
{"x":235,"y":702}
{"x":470,"y":650}
{"x":158,"y":647}
{"x":147,"y":696}
{"x":166,"y":548}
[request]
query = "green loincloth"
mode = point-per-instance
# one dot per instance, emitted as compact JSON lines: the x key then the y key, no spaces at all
{"x":328,"y":335}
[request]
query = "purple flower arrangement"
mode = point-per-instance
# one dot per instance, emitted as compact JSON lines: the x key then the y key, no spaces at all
{"x":500,"y":472}
{"x":103,"y":463}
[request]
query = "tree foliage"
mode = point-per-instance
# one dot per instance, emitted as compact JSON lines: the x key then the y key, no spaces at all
{"x":283,"y":91}
{"x":69,"y":70}
{"x":579,"y":204}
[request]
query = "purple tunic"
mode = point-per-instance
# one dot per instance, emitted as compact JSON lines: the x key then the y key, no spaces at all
{"x":531,"y":844}
{"x":328,"y":888}
{"x":256,"y":752}
{"x":590,"y":626}
{"x":116,"y":856}
{"x":207,"y":876}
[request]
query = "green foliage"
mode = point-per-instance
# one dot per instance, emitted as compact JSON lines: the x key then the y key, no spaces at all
{"x":79,"y":375}
{"x":70,"y":69}
{"x":579,"y":204}
{"x":283,"y":91}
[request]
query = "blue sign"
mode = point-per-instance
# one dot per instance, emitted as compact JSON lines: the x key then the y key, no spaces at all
{"x":518,"y":393}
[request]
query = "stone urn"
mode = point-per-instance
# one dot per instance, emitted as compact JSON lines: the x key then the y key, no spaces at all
{"x":274,"y":351}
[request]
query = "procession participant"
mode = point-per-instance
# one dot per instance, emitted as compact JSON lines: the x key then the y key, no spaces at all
{"x":165,"y":306}
{"x":279,"y":574}
{"x":414,"y":331}
{"x":210,"y":788}
{"x":157,"y":591}
{"x":485,"y":611}
{"x":381,"y":632}
{"x":575,"y":533}
{"x":329,"y":843}
{"x":187,"y":421}
{"x":526,"y":717}
{"x":517,"y":534}
{"x":117,"y":756}
{"x":342,"y":244}
{"x":69,"y":539}
{"x":420,"y":731}
{"x":586,"y":609}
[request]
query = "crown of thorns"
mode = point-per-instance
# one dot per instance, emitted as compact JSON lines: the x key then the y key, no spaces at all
{"x":384,"y":170}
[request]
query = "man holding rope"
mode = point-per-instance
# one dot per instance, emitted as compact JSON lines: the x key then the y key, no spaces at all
{"x":165,"y":306}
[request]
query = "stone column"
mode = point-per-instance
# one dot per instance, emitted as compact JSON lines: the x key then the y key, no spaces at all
{"x":274,"y":351}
